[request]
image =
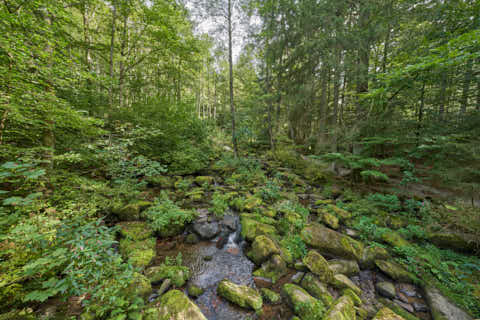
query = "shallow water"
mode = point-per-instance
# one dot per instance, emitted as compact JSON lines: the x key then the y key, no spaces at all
{"x":209,"y":265}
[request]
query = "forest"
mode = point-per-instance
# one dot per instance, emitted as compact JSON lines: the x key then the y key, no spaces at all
{"x":240,"y":159}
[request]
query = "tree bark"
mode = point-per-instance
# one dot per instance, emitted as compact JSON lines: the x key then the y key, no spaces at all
{"x":112,"y":48}
{"x":230,"y":67}
{"x":466,"y":85}
{"x":336,"y":96}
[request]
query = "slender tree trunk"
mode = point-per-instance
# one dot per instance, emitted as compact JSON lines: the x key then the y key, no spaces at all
{"x":121,"y":76}
{"x":342,"y":105}
{"x":230,"y":65}
{"x":420,"y":112}
{"x":112,"y":48}
{"x":48,"y":138}
{"x":336,"y":96}
{"x":466,"y":85}
{"x":478,"y":88}
{"x":363,"y":60}
{"x":385,"y":50}
{"x":443,"y":94}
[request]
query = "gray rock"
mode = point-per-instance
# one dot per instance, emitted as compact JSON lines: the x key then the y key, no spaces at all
{"x":297,"y":277}
{"x":205,"y":229}
{"x":386,"y":289}
{"x":230,"y":222}
{"x":404,"y":305}
{"x":442,"y":308}
{"x":164,"y":287}
{"x":420,"y":307}
{"x":346,"y":267}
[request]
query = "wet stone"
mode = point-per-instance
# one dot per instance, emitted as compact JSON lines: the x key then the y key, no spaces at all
{"x":206,"y":230}
{"x":386,"y":289}
{"x":404,"y":305}
{"x":407,"y":289}
{"x":420,"y":307}
{"x":230,"y":222}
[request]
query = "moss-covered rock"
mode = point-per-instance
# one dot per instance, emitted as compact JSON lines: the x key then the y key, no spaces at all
{"x":164,"y":182}
{"x":195,"y":291}
{"x":242,"y":296}
{"x":252,"y":228}
{"x":177,"y":274}
{"x":397,"y":222}
{"x":252,"y":202}
{"x":138,"y":253}
{"x":317,"y":289}
{"x":270,"y":296}
{"x":135,"y":230}
{"x":397,"y":309}
{"x":346,"y":267}
{"x":395,"y":271}
{"x":316,"y":263}
{"x":394,"y":239}
{"x":331,"y":242}
{"x":371,"y":254}
{"x":387,"y":314}
{"x":139,"y":286}
{"x":456,"y":241}
{"x":341,"y":281}
{"x":303,"y":304}
{"x":131,"y":211}
{"x":442,"y":308}
{"x":174,"y":305}
{"x":330,"y":220}
{"x":339,"y":212}
{"x":202,"y":180}
{"x":273,"y":269}
{"x":262,"y":248}
{"x":195,"y":195}
{"x":342,"y":309}
{"x":357,"y":301}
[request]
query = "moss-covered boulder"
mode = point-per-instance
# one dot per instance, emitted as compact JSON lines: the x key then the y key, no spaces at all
{"x":202,"y":180}
{"x":138,"y":253}
{"x":394,"y":239}
{"x":195,"y":195}
{"x":252,"y":228}
{"x":164,"y":182}
{"x":397,"y":309}
{"x":330,"y":242}
{"x":177,"y":274}
{"x":357,"y":301}
{"x":330,"y":220}
{"x":387,"y":314}
{"x":194,"y":290}
{"x":342,"y":309}
{"x":317,"y":289}
{"x":442,"y":308}
{"x":262,"y":248}
{"x":456,"y":241}
{"x":131,"y":211}
{"x":139,"y":286}
{"x":302,"y":303}
{"x":273,"y":269}
{"x":346,"y":267}
{"x":252,"y":202}
{"x":317,"y":264}
{"x":135,"y":230}
{"x":371,"y":254}
{"x":174,"y":305}
{"x":242,"y":296}
{"x":341,"y":281}
{"x":395,"y":271}
{"x":270,"y":296}
{"x":339,"y":212}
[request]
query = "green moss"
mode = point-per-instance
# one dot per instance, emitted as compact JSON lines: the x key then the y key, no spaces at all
{"x":177,"y":274}
{"x":242,"y":296}
{"x":252,"y":202}
{"x":135,"y":230}
{"x":394,"y":239}
{"x":262,"y":248}
{"x":138,"y":253}
{"x":317,"y":289}
{"x":139,"y":286}
{"x":252,"y":228}
{"x":319,"y":266}
{"x":270,"y":296}
{"x":273,"y":269}
{"x":330,"y":220}
{"x":353,"y":296}
{"x":304,"y":305}
{"x":202,"y":180}
{"x":396,"y":310}
{"x":395,"y":271}
{"x":343,"y":282}
{"x":164,"y":182}
{"x":342,"y":309}
{"x":195,"y":291}
{"x":174,"y":305}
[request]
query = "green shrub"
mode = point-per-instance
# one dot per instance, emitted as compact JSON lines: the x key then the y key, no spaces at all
{"x":385,"y":201}
{"x":219,"y":204}
{"x":167,"y":219}
{"x":295,"y":245}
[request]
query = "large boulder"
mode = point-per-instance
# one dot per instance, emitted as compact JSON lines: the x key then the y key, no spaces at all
{"x":371,"y":254}
{"x":342,"y":309}
{"x":395,"y":271}
{"x":319,"y":266}
{"x":346,"y":267}
{"x":317,"y":289}
{"x":242,"y":296}
{"x":273,"y":269}
{"x":174,"y":305}
{"x":387,"y":314}
{"x":262,"y":248}
{"x":252,"y":228}
{"x":341,"y":281}
{"x":302,"y":303}
{"x":177,"y":274}
{"x":456,"y":241}
{"x":138,"y":253}
{"x":135,"y":230}
{"x":394,"y":239}
{"x":206,"y":229}
{"x":386,"y":289}
{"x":441,"y":308}
{"x":330,"y":242}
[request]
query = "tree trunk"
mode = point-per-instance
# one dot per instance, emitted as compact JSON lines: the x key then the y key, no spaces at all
{"x":112,"y":48}
{"x":121,"y":76}
{"x":478,"y":88}
{"x":420,"y":112}
{"x":443,"y":94}
{"x":336,"y":96}
{"x":466,"y":85}
{"x":363,"y":60}
{"x":230,"y":65}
